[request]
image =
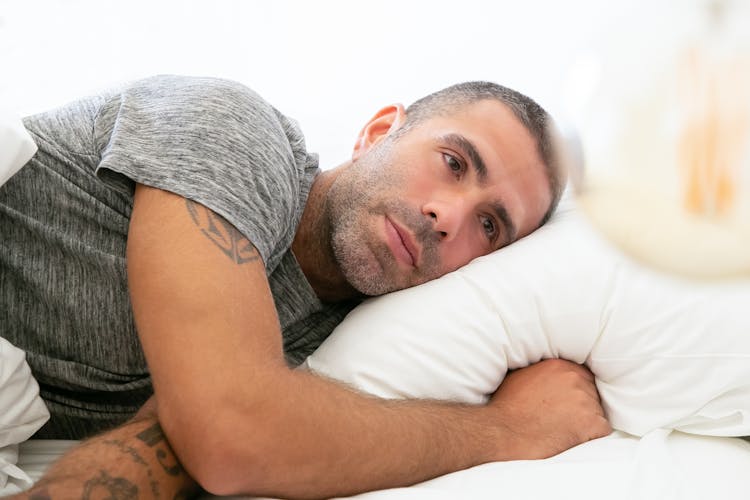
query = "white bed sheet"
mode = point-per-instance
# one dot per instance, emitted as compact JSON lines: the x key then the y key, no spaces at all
{"x":662,"y":465}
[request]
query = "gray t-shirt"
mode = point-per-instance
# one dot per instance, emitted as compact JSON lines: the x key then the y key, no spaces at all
{"x":64,"y":223}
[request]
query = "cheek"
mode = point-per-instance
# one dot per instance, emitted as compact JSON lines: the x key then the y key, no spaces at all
{"x":460,"y":252}
{"x":422,"y":180}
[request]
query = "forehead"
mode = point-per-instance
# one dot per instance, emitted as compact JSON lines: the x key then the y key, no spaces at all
{"x":516,"y":175}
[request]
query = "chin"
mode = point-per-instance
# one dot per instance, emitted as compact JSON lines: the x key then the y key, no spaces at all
{"x":372,"y":288}
{"x":373,"y":282}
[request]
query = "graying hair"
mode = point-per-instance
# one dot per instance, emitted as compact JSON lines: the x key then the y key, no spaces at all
{"x":536,"y":120}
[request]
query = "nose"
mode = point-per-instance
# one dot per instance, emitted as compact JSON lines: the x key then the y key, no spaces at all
{"x":447,"y":216}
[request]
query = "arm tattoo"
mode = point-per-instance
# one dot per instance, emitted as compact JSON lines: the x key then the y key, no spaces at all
{"x":112,"y":488}
{"x":137,"y":458}
{"x":222,"y":234}
{"x":153,"y":436}
{"x":106,"y":486}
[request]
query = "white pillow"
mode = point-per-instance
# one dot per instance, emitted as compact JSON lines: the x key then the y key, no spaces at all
{"x":16,"y":146}
{"x":23,"y":413}
{"x":666,"y":353}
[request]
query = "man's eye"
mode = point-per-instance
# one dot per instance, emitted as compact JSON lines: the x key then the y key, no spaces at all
{"x":453,"y":163}
{"x":489,"y":227}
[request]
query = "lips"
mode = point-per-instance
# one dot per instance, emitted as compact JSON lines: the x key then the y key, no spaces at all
{"x":401,"y":243}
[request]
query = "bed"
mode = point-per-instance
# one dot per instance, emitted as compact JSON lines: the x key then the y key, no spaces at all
{"x":671,"y":357}
{"x":663,"y":465}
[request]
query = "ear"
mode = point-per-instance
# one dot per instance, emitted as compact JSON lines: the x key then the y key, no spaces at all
{"x":383,"y":123}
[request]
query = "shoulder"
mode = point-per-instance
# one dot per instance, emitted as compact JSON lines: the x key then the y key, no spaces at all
{"x":192,"y":94}
{"x":215,"y":142}
{"x":203,"y":114}
{"x":169,"y":85}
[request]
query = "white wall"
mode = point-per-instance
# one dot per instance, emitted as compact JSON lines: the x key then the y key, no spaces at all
{"x":330,"y":64}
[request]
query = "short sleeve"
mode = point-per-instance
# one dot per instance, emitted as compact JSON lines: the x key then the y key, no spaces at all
{"x":213,"y":141}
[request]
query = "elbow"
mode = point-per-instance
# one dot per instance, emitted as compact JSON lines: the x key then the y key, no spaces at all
{"x":218,"y":477}
{"x":217,"y":457}
{"x":232,"y":442}
{"x":224,"y":474}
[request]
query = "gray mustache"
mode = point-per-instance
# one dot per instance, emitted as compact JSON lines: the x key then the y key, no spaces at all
{"x":415,"y":222}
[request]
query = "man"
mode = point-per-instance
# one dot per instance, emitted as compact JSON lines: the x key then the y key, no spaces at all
{"x":188,"y":210}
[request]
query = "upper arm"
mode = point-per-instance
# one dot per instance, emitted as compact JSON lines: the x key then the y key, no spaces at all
{"x":204,"y":313}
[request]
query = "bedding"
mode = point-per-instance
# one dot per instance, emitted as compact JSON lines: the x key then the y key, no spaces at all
{"x":22,"y":411}
{"x":666,"y":352}
{"x":16,"y":146}
{"x":663,"y":465}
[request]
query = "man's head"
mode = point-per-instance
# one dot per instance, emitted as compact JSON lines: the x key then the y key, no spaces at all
{"x":460,"y":173}
{"x":531,"y":115}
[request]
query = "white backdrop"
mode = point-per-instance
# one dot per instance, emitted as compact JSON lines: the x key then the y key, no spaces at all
{"x":329,"y":64}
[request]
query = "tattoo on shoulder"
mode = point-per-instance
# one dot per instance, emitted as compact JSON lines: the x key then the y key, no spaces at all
{"x":105,"y":486}
{"x":154,"y":438}
{"x":223,"y":234}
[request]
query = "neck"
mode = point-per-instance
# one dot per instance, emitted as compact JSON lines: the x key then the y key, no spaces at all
{"x":312,"y":244}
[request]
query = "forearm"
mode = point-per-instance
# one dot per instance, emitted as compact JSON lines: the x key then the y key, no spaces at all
{"x":319,"y":439}
{"x":132,"y":461}
{"x":308,"y":437}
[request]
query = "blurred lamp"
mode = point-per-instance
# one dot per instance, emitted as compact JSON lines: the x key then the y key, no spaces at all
{"x":665,"y":136}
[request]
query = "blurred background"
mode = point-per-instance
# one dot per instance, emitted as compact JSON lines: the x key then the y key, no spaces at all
{"x":328,"y":63}
{"x":658,"y":90}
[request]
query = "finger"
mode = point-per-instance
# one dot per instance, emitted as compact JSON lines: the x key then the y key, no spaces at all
{"x":582,"y":379}
{"x":596,"y":428}
{"x":602,"y":428}
{"x":589,"y":387}
{"x":583,"y":371}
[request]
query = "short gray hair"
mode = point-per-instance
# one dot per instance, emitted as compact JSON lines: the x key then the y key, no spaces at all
{"x":536,"y":120}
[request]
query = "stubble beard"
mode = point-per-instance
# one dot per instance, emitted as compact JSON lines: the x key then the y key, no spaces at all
{"x":357,"y":203}
{"x":359,"y":255}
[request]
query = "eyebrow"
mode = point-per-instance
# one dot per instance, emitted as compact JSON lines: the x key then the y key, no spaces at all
{"x":468,"y":148}
{"x":477,"y":163}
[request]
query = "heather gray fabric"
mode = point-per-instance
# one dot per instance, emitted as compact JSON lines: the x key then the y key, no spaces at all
{"x":64,"y":221}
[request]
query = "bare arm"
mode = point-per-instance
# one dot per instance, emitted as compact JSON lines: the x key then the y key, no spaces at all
{"x":133,"y":461}
{"x":242,"y":422}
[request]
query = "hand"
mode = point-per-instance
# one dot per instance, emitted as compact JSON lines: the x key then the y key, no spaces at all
{"x":547,"y":408}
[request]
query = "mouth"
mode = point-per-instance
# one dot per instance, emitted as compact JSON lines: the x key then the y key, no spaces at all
{"x":401,"y":243}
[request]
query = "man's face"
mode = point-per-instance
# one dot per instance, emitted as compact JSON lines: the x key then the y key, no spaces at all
{"x":451,"y":189}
